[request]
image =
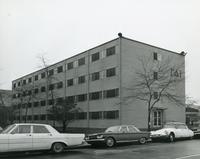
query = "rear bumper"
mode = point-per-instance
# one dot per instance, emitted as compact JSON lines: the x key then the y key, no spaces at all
{"x":159,"y":137}
{"x":95,"y":141}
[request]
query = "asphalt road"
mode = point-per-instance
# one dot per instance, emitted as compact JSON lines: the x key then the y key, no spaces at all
{"x":186,"y":149}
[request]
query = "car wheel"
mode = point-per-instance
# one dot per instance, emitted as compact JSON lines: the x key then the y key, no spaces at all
{"x":171,"y":137}
{"x":57,"y":147}
{"x":142,"y":140}
{"x":110,"y":142}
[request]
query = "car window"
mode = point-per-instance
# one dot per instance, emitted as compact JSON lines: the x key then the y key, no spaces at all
{"x":123,"y":129}
{"x":8,"y":129}
{"x":133,"y":129}
{"x":181,"y":126}
{"x":22,"y":129}
{"x":40,"y":129}
{"x":113,"y":129}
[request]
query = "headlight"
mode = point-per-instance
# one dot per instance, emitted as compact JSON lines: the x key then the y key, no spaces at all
{"x":99,"y":136}
{"x":86,"y":138}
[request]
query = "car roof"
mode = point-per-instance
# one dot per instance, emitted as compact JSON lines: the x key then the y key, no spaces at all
{"x":122,"y":125}
{"x":175,"y":123}
{"x":31,"y":124}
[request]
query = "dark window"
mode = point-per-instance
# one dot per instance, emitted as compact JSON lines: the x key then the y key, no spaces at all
{"x":36,"y":104}
{"x":36,"y":77}
{"x":50,"y":101}
{"x":40,"y":129}
{"x":22,"y":129}
{"x":43,"y":74}
{"x":60,"y":69}
{"x":81,"y":97}
{"x":95,"y":76}
{"x":14,"y":96}
{"x":71,"y":99}
{"x":43,"y":117}
{"x":51,"y":72}
{"x":110,"y":51}
{"x":36,"y":90}
{"x":24,"y":82}
{"x":155,"y":56}
{"x":30,"y":80}
{"x":82,"y":115}
{"x":81,"y":61}
{"x":70,"y":66}
{"x":95,"y":57}
{"x":157,"y":118}
{"x":59,"y":100}
{"x":81,"y":79}
{"x":29,"y":117}
{"x":36,"y":117}
{"x":51,"y":87}
{"x":95,"y":95}
{"x":50,"y":117}
{"x":42,"y":102}
{"x":18,"y":83}
{"x":60,"y":85}
{"x":155,"y":75}
{"x":111,"y":114}
{"x":24,"y":94}
{"x":29,"y":105}
{"x":155,"y":95}
{"x":29,"y":92}
{"x":43,"y":89}
{"x":70,"y":82}
{"x":95,"y":115}
{"x":111,"y":93}
{"x":14,"y":85}
{"x":110,"y":72}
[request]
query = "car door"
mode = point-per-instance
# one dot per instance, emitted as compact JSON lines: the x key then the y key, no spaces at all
{"x":4,"y":142}
{"x":122,"y":136}
{"x":42,"y":138}
{"x":134,"y":133}
{"x":20,"y":139}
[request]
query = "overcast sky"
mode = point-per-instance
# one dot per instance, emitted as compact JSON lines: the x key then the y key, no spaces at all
{"x":62,"y":28}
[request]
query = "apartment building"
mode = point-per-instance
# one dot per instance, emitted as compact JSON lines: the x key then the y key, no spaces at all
{"x":96,"y":80}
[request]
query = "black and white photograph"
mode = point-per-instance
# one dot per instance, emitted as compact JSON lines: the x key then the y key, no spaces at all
{"x":99,"y":79}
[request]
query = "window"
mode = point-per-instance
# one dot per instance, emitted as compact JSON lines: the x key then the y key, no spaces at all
{"x":43,"y":117}
{"x":155,"y":95}
{"x":14,"y":85}
{"x":40,"y":129}
{"x":60,"y":69}
{"x":123,"y":129}
{"x":111,"y":93}
{"x":110,"y":51}
{"x":29,"y":92}
{"x":42,"y":102}
{"x":30,"y":80}
{"x":70,"y":66}
{"x":82,"y":115}
{"x":95,"y":95}
{"x":18,"y":83}
{"x":95,"y":76}
{"x":51,"y":72}
{"x":81,"y":79}
{"x":95,"y":115}
{"x":133,"y":129}
{"x":59,"y":100}
{"x":110,"y":72}
{"x":51,"y":87}
{"x":24,"y":82}
{"x":36,"y":90}
{"x":81,"y":61}
{"x":50,"y":101}
{"x":95,"y":57}
{"x":29,"y":105}
{"x":36,"y":117}
{"x":36,"y":104}
{"x":43,"y":89}
{"x":157,"y":117}
{"x":155,"y":56}
{"x":22,"y":129}
{"x":111,"y":114}
{"x":29,"y":117}
{"x":70,"y":82}
{"x":43,"y":75}
{"x":155,"y":75}
{"x":59,"y":85}
{"x":36,"y":77}
{"x":71,"y":99}
{"x":81,"y":97}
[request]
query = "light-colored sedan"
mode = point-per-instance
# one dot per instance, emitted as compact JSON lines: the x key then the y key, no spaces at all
{"x":30,"y":137}
{"x":172,"y":131}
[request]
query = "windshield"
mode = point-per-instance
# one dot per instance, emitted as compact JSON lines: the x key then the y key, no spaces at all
{"x":169,"y":126}
{"x":112,"y":129}
{"x":8,"y":128}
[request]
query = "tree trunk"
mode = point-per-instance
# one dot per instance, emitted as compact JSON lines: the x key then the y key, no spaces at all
{"x":64,"y":126}
{"x":149,"y":118}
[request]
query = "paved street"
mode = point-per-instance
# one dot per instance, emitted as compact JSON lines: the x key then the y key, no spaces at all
{"x":187,"y":149}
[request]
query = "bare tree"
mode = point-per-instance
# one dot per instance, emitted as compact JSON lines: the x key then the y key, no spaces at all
{"x":155,"y":81}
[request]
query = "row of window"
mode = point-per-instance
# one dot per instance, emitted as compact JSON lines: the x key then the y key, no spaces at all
{"x":111,"y":93}
{"x":75,"y":116}
{"x":94,"y":57}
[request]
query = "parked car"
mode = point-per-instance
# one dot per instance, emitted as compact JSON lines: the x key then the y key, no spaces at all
{"x":172,"y":131}
{"x":117,"y":134}
{"x":196,"y":131}
{"x":1,"y":129}
{"x":28,"y":137}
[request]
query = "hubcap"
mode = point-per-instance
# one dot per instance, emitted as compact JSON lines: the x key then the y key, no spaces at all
{"x":110,"y":142}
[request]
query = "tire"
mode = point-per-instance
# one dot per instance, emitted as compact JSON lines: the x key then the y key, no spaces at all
{"x":142,"y":140}
{"x":171,"y":137}
{"x":110,"y":142}
{"x":57,"y":147}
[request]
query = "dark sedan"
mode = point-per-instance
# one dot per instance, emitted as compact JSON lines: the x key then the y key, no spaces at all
{"x":118,"y":134}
